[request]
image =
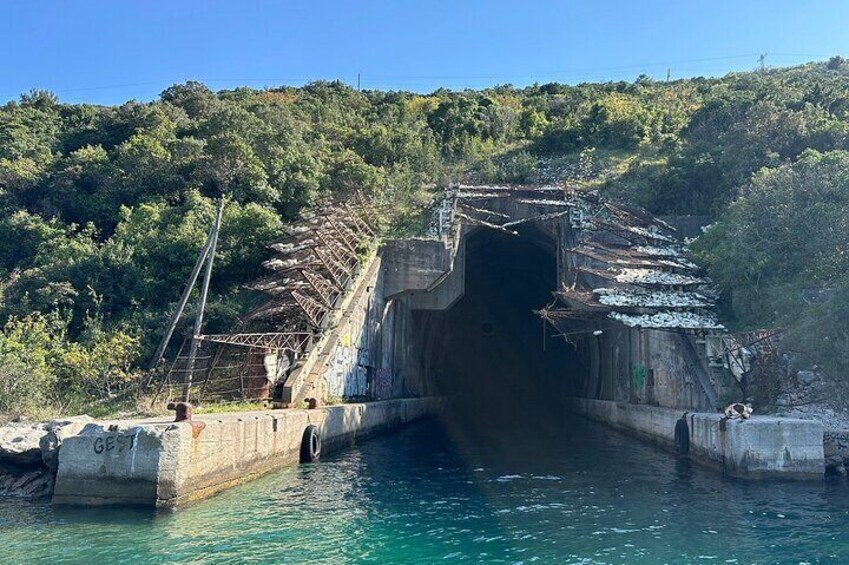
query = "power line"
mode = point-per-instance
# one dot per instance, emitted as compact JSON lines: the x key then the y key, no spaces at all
{"x":402,"y":81}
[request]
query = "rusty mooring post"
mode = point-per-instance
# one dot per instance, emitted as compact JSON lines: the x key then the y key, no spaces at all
{"x":183,"y":413}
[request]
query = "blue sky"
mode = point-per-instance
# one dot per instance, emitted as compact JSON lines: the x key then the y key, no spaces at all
{"x":108,"y":51}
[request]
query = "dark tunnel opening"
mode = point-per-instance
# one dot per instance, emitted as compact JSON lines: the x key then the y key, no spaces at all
{"x":489,"y":352}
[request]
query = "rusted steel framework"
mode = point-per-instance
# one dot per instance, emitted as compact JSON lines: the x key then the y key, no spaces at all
{"x":631,"y":269}
{"x":313,"y":265}
{"x":628,"y":267}
{"x":281,"y":341}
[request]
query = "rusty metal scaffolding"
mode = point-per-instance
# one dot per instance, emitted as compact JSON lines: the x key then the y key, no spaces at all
{"x":314,"y":263}
{"x":233,"y":368}
{"x":627,"y":265}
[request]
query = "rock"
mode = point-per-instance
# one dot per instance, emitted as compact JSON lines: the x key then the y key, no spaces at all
{"x":57,"y":431}
{"x":806,"y":378}
{"x":31,"y":484}
{"x":40,"y":487}
{"x":783,"y":400}
{"x":833,"y":461}
{"x":838,"y":471}
{"x":20,"y":444}
{"x":830,"y":449}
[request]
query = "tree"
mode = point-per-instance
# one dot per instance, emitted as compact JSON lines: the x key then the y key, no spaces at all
{"x":615,"y":121}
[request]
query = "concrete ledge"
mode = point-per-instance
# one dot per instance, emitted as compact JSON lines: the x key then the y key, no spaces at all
{"x":760,"y":447}
{"x":161,"y":464}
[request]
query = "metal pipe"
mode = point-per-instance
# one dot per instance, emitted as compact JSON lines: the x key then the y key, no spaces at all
{"x":187,"y":384}
{"x":184,"y":298}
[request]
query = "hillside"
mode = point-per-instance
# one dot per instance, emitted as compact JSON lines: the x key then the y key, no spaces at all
{"x":103,"y":209}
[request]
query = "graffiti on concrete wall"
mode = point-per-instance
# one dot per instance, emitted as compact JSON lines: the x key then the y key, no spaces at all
{"x":347,"y":369}
{"x":837,"y":441}
{"x":358,"y":366}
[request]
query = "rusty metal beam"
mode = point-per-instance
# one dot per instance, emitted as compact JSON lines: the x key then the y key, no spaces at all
{"x":312,"y":308}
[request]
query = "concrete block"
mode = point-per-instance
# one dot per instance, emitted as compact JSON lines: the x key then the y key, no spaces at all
{"x":765,"y":446}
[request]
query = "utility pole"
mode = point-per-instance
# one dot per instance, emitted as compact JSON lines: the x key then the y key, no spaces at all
{"x":193,"y":351}
{"x":668,"y":74}
{"x":358,"y":82}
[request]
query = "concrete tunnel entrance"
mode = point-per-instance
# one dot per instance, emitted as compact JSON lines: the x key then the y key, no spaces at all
{"x":489,"y":350}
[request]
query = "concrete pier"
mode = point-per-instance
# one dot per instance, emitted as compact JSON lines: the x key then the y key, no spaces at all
{"x":758,"y":448}
{"x":165,"y":464}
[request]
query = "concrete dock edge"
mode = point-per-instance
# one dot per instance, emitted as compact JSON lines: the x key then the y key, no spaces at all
{"x":164,"y":464}
{"x":761,"y":447}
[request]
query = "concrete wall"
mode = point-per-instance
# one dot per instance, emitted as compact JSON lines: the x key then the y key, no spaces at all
{"x":623,"y":364}
{"x":324,"y":359}
{"x":366,"y":352}
{"x":760,"y":447}
{"x":163,"y":464}
{"x":646,"y":367}
{"x":415,"y":264}
{"x":353,"y":353}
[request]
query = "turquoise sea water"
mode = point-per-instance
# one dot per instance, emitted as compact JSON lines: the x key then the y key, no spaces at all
{"x":508,"y":492}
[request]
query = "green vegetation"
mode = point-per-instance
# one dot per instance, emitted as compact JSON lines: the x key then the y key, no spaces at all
{"x":103,"y":209}
{"x":779,"y":245}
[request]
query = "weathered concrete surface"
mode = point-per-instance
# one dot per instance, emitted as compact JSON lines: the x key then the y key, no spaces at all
{"x":56,"y":432}
{"x":760,"y":447}
{"x":161,"y":464}
{"x":366,"y":351}
{"x":448,"y":289}
{"x":430,"y":272}
{"x":414,"y":264}
{"x":301,"y":383}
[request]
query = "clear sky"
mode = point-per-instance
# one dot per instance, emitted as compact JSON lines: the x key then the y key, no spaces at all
{"x":108,"y":51}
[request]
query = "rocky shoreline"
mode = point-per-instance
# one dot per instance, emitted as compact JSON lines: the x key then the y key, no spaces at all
{"x":29,"y":455}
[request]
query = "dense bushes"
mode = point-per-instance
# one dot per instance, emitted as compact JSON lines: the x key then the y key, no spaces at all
{"x":42,"y":372}
{"x":103,"y":209}
{"x":785,"y":236}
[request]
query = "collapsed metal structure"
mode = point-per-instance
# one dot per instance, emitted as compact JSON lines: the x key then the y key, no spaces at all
{"x":315,"y":262}
{"x":630,"y":268}
{"x":618,"y":268}
{"x":627,"y":266}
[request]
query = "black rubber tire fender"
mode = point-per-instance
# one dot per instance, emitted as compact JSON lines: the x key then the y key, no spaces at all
{"x":310,"y":445}
{"x":682,"y":436}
